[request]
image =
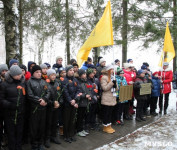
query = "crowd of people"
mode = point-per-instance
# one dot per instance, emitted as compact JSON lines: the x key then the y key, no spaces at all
{"x":39,"y":101}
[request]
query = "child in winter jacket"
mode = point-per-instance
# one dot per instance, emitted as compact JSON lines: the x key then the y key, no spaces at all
{"x":140,"y":98}
{"x":12,"y":100}
{"x":52,"y":108}
{"x":44,"y":69}
{"x":83,"y":102}
{"x":155,"y":93}
{"x":121,"y":81}
{"x":38,"y":96}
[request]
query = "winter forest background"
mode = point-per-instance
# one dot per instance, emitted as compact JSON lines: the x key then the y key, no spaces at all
{"x":40,"y":30}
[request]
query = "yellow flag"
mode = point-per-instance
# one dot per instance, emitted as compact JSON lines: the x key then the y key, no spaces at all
{"x":102,"y":35}
{"x":168,"y":52}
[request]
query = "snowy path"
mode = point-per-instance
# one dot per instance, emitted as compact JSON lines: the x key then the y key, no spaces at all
{"x":160,"y":135}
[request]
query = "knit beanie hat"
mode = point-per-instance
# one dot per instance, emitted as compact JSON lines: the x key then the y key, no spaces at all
{"x":108,"y":67}
{"x":61,"y":69}
{"x":12,"y":61}
{"x":35,"y":68}
{"x":89,"y":71}
{"x":15,"y":70}
{"x":81,"y":72}
{"x":141,"y":71}
{"x":68,"y":67}
{"x":102,"y":60}
{"x":72,"y":61}
{"x":129,"y":60}
{"x":3,"y":67}
{"x":48,"y":65}
{"x":117,"y":60}
{"x":43,"y":66}
{"x":58,"y":57}
{"x":143,"y":67}
{"x":23,"y":67}
{"x":50,"y":71}
{"x":146,"y":64}
{"x":120,"y":72}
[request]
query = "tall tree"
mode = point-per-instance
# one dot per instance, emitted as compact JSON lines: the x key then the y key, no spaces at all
{"x":11,"y":28}
{"x":21,"y":30}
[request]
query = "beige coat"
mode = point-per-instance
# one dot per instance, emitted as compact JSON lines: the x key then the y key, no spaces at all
{"x":107,"y":96}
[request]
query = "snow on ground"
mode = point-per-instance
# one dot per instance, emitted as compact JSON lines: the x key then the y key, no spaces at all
{"x":159,"y":135}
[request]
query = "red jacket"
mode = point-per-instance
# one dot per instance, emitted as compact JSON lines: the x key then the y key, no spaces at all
{"x":27,"y":75}
{"x":129,"y":76}
{"x":167,"y":77}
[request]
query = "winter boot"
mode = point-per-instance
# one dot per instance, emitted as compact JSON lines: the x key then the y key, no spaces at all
{"x":47,"y":143}
{"x":165,"y":111}
{"x":61,"y":130}
{"x":111,"y":129}
{"x":107,"y":130}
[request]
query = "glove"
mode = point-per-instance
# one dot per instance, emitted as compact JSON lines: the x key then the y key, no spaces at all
{"x":115,"y":84}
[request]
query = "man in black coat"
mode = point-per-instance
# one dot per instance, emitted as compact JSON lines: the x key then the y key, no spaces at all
{"x":12,"y":99}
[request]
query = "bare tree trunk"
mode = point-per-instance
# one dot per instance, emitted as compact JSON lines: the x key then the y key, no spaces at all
{"x":124,"y":31}
{"x":67,"y":32}
{"x":175,"y":33}
{"x":11,"y":28}
{"x":21,"y":30}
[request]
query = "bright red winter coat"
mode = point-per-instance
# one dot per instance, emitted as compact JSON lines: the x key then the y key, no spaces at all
{"x":167,"y":77}
{"x":27,"y":75}
{"x":129,"y":76}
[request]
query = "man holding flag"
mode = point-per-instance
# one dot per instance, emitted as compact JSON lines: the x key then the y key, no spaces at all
{"x":166,"y":72}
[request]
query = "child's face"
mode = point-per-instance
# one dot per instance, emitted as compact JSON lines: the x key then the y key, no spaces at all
{"x":37,"y":74}
{"x":94,"y":71}
{"x":71,"y":72}
{"x":156,"y":75}
{"x":44,"y":71}
{"x":91,"y":75}
{"x":122,"y":75}
{"x":63,"y":74}
{"x":142,"y":74}
{"x":75,"y":69}
{"x":52,"y":77}
{"x":23,"y":71}
{"x":83,"y":76}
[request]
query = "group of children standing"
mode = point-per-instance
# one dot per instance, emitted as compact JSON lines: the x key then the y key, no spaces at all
{"x":39,"y":100}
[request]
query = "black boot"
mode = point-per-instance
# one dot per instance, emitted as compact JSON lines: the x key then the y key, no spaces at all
{"x":142,"y":118}
{"x":55,"y":140}
{"x":47,"y":143}
{"x":165,"y":111}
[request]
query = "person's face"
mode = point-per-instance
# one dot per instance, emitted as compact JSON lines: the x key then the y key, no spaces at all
{"x":63,"y":74}
{"x":165,"y":67}
{"x":94,"y":71}
{"x":23,"y":71}
{"x":91,"y":75}
{"x":52,"y":77}
{"x":75,"y":69}
{"x":129,"y":69}
{"x":3,"y":73}
{"x":122,"y":74}
{"x":60,"y":61}
{"x":118,"y":63}
{"x":103,"y":64}
{"x":71,"y":72}
{"x":142,"y":74}
{"x":90,"y":62}
{"x":131,"y":61}
{"x":83,"y":76}
{"x":32,"y":66}
{"x":18,"y":77}
{"x":37,"y":74}
{"x":44,"y":71}
{"x":14,"y":64}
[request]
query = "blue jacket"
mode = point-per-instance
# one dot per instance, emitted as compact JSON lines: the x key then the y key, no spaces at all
{"x":156,"y":87}
{"x":85,"y":66}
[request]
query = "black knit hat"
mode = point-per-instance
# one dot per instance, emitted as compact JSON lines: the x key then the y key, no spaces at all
{"x":35,"y":68}
{"x":22,"y":67}
{"x":81,"y":72}
{"x":146,"y":64}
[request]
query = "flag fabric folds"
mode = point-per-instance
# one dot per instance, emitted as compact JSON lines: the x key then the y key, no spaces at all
{"x":102,"y":35}
{"x":168,"y":52}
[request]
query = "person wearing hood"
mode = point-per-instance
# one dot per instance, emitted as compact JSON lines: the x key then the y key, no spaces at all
{"x":166,"y":75}
{"x":12,"y":99}
{"x":108,"y":100}
{"x":140,"y":98}
{"x":58,"y":65}
{"x":30,"y":65}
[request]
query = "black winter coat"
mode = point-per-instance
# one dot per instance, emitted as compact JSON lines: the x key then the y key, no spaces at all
{"x":37,"y":89}
{"x":71,"y":90}
{"x":83,"y":101}
{"x":9,"y":95}
{"x":137,"y":86}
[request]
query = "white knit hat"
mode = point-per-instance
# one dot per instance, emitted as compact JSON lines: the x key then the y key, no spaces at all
{"x":102,"y":60}
{"x":108,"y":67}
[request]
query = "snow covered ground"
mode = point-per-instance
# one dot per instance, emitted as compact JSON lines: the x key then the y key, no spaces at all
{"x":159,"y":135}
